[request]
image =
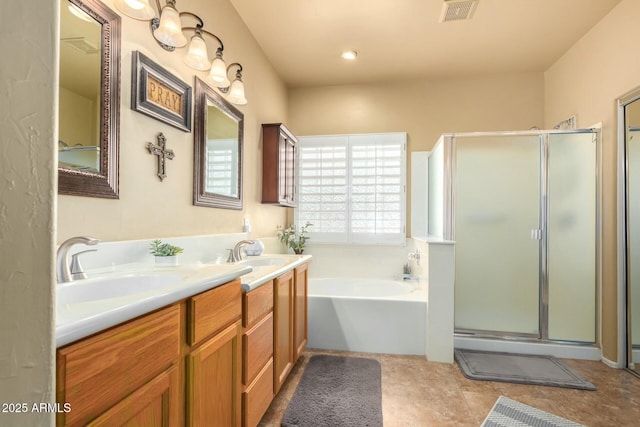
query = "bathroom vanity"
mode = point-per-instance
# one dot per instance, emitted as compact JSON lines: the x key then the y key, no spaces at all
{"x":212,"y":358}
{"x":275,"y":334}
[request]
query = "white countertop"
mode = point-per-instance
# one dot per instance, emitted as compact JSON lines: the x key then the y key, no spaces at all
{"x":263,"y":273}
{"x":117,"y":294}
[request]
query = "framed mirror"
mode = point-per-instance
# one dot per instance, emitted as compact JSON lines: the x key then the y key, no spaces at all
{"x":89,"y":99}
{"x":218,"y":135}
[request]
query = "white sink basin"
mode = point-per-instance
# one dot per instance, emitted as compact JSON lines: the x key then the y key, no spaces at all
{"x":262,"y":262}
{"x":112,"y":287}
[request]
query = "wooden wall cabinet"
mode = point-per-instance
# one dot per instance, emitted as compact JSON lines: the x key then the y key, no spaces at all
{"x":278,"y":165}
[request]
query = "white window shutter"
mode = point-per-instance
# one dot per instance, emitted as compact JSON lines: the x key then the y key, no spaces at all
{"x":352,"y":188}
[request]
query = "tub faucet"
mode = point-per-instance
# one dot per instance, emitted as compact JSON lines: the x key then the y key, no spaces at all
{"x":64,"y":271}
{"x":235,"y":254}
{"x":415,"y":256}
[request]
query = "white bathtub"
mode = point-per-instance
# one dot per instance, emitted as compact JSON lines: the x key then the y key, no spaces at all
{"x":367,"y":315}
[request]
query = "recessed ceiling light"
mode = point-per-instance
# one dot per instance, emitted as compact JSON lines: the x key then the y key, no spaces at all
{"x":349,"y":54}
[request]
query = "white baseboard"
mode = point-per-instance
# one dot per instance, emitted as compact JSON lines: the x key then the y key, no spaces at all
{"x":565,"y":351}
{"x":610,"y":363}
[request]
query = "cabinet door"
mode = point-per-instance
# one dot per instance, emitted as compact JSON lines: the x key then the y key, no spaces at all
{"x":278,"y":164}
{"x":214,"y":380}
{"x":96,"y":373}
{"x":289,"y":172}
{"x":300,"y":311}
{"x":282,"y":168}
{"x":283,"y":336}
{"x":156,"y":404}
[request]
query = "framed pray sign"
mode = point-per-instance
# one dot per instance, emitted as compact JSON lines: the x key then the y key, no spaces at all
{"x":159,"y":94}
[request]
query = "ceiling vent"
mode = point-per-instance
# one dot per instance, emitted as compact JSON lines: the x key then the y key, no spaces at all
{"x":457,"y":10}
{"x":81,"y":44}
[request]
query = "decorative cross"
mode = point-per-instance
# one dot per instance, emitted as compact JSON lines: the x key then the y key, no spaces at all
{"x":161,"y":151}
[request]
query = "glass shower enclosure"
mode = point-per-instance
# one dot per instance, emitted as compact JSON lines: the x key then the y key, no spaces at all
{"x":522,"y":208}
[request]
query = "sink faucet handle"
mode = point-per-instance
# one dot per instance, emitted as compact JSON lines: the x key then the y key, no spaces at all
{"x":76,"y":269}
{"x":237,"y":250}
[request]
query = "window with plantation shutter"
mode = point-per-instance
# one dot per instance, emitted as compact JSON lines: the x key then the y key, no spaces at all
{"x":352,"y":188}
{"x":221,"y":167}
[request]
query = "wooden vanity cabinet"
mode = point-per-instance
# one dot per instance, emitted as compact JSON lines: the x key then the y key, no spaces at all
{"x":299,"y":310}
{"x":274,"y":321}
{"x":127,"y":375}
{"x":214,"y":357}
{"x":150,"y":405}
{"x":282,"y":328}
{"x":179,"y":365}
{"x":257,"y":345}
{"x":278,"y":165}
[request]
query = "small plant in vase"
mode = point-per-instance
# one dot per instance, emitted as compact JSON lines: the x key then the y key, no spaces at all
{"x":295,"y":238}
{"x":165,"y":253}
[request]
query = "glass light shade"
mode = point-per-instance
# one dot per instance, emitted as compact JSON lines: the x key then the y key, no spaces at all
{"x":136,"y":9}
{"x":236,"y":93}
{"x":218,"y":71}
{"x":169,"y":31}
{"x":197,"y":56}
{"x":79,"y":13}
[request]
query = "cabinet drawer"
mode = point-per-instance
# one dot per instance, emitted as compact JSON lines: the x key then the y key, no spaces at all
{"x":94,"y":374}
{"x":257,"y":344}
{"x":258,"y":396}
{"x":257,"y":303}
{"x":211,"y":311}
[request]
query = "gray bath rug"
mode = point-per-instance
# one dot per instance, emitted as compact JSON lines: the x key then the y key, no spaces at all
{"x":508,"y":413}
{"x":519,"y":368}
{"x":337,"y":391}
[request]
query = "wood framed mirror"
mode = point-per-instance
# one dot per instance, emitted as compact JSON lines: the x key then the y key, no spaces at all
{"x":89,"y":100}
{"x":218,"y":140}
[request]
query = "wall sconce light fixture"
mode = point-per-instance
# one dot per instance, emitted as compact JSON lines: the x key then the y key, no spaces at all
{"x":169,"y":33}
{"x":235,"y":91}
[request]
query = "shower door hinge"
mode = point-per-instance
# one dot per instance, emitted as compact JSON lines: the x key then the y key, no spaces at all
{"x":536,"y":234}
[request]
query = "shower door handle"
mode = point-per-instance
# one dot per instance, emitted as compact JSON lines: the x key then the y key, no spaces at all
{"x":536,"y":234}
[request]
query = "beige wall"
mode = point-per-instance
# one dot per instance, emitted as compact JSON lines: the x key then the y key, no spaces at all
{"x":423,"y":108}
{"x":150,"y":208}
{"x":586,"y":81}
{"x":27,"y":202}
{"x":77,"y":119}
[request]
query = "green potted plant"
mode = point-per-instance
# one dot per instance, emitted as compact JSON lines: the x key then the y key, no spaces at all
{"x":295,"y":238}
{"x":165,"y":253}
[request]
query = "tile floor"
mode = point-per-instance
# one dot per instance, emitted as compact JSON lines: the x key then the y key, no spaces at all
{"x":417,"y":393}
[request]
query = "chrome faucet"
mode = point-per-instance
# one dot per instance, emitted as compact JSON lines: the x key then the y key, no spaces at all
{"x":235,"y":254}
{"x":68,"y":271}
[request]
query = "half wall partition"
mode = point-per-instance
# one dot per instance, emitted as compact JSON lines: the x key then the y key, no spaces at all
{"x":522,"y":208}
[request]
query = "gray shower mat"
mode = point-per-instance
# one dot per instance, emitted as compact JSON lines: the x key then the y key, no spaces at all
{"x":519,"y":368}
